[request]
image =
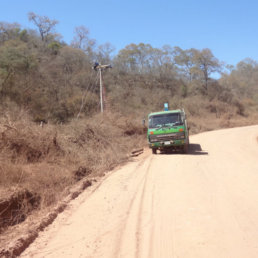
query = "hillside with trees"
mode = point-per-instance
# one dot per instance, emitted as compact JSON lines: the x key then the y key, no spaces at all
{"x":46,"y":76}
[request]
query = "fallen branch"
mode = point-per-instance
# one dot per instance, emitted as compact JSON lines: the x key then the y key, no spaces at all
{"x":135,"y":151}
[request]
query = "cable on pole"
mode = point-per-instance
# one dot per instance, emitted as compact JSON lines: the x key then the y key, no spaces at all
{"x":84,"y":97}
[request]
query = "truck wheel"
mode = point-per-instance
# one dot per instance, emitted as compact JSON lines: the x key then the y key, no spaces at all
{"x":186,"y":148}
{"x":154,"y":151}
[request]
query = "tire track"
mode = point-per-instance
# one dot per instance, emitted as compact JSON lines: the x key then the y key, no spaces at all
{"x":133,"y":212}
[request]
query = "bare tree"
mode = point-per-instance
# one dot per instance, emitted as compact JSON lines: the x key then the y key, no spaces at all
{"x":104,"y":52}
{"x":82,"y":40}
{"x":44,"y":24}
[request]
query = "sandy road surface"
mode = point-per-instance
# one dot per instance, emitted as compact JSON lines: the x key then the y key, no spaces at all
{"x":204,"y":204}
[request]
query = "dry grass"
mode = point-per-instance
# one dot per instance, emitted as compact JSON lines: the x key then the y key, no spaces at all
{"x":30,"y":156}
{"x":204,"y":115}
{"x":48,"y":160}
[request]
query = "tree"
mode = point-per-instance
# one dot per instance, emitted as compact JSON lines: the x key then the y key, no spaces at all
{"x":161,"y":61}
{"x":246,"y":67}
{"x":82,"y":41}
{"x":185,"y":59}
{"x":207,"y":63}
{"x":243,"y":79}
{"x":136,"y":58}
{"x":104,"y":53}
{"x":8,"y":31}
{"x":16,"y":62}
{"x":44,"y":24}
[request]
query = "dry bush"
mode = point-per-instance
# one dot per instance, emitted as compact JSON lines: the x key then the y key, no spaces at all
{"x":205,"y":115}
{"x":101,"y":142}
{"x":193,"y":106}
{"x":48,"y":160}
{"x":15,"y":209}
{"x":27,"y":142}
{"x":218,"y":108}
{"x":31,"y":158}
{"x":240,"y":108}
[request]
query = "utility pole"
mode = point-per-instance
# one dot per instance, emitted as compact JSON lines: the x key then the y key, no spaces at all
{"x":100,"y":68}
{"x":101,"y":91}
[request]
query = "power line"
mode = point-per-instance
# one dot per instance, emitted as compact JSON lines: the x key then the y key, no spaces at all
{"x":84,"y":97}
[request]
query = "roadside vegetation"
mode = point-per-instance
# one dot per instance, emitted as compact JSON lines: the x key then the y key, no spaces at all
{"x":46,"y":81}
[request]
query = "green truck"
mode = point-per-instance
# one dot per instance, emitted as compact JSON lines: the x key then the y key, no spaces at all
{"x":167,"y":130}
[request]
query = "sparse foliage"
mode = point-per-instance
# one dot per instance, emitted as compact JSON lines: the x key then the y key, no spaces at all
{"x":207,"y":63}
{"x":44,"y":24}
{"x":8,"y":31}
{"x":104,"y":53}
{"x":185,"y":59}
{"x":82,"y":41}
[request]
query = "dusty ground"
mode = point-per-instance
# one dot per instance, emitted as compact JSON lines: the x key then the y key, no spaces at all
{"x":168,"y":205}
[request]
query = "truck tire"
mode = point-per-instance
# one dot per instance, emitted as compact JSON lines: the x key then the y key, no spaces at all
{"x":154,"y":151}
{"x":186,"y":146}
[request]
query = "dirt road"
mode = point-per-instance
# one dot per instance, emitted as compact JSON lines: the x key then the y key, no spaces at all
{"x":204,"y":204}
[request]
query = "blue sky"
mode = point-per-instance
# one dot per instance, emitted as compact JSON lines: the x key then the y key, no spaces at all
{"x":228,"y":28}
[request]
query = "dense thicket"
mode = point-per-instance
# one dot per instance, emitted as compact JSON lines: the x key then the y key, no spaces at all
{"x":53,"y":80}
